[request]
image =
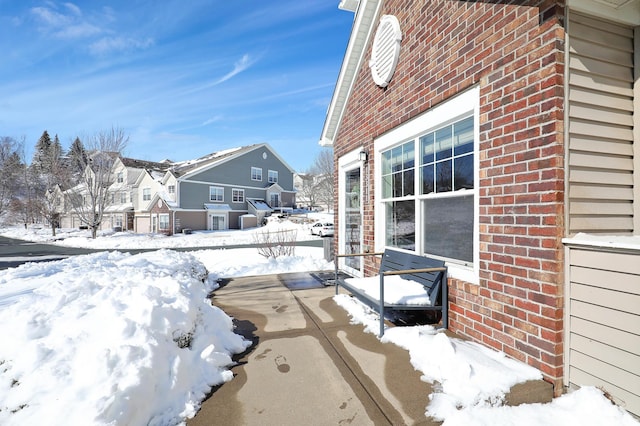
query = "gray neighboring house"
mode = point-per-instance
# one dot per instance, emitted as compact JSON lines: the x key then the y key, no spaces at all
{"x":230,"y":189}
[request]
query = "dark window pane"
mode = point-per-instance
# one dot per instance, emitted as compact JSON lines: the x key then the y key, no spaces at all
{"x":463,"y":172}
{"x":448,"y":227}
{"x":443,"y":143}
{"x":397,"y":184}
{"x":427,"y":179}
{"x":409,"y":183}
{"x":400,"y":223}
{"x":443,"y":176}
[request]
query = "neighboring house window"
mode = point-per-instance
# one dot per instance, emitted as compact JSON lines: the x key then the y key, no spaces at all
{"x":216,"y":193}
{"x":237,"y":195}
{"x":123,"y":197}
{"x":131,"y":197}
{"x":256,"y":173}
{"x":146,"y":194}
{"x":118,"y":222}
{"x":112,"y":197}
{"x":171,"y":189}
{"x":120,"y":177}
{"x":163,"y":222}
{"x":273,"y":176}
{"x":427,"y":183}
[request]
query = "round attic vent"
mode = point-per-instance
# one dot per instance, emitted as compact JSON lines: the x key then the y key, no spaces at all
{"x":385,"y":51}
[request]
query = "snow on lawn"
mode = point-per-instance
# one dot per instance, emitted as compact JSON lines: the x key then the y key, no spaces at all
{"x":129,"y":240}
{"x":111,"y":338}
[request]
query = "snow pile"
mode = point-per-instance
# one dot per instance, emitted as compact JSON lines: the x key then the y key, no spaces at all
{"x":472,"y":380}
{"x":110,"y":338}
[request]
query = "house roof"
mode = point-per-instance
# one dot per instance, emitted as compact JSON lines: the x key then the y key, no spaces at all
{"x":180,"y":170}
{"x":142,"y":164}
{"x":366,"y":13}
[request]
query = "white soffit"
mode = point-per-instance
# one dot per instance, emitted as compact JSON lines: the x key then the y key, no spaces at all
{"x":367,"y":11}
{"x":385,"y":51}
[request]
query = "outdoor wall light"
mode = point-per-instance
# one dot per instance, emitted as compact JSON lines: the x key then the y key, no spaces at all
{"x":363,"y":156}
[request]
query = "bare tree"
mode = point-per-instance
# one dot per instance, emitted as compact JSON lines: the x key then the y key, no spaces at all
{"x":10,"y":168}
{"x":90,"y":198}
{"x":324,"y":171}
{"x":307,"y":189}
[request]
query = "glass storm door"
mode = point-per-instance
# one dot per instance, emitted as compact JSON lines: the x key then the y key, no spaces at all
{"x":353,"y":218}
{"x":217,"y":223}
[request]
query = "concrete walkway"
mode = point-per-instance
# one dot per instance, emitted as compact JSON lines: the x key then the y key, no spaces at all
{"x":309,"y":366}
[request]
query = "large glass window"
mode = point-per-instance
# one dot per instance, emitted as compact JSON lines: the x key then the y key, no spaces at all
{"x":146,"y":194}
{"x":438,"y":202}
{"x":273,"y":176}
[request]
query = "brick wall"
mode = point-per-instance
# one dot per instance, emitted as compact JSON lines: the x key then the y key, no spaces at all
{"x":514,"y":51}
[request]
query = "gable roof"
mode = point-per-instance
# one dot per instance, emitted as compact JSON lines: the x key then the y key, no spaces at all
{"x":188,"y":168}
{"x":361,"y":33}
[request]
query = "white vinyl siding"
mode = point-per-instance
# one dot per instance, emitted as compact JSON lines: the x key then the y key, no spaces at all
{"x":600,"y":113}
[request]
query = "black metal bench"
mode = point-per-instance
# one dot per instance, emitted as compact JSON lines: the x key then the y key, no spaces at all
{"x":428,"y":272}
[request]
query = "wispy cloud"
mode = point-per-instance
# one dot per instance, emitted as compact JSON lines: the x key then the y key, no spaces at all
{"x":239,"y":66}
{"x":213,"y":119}
{"x":68,"y":25}
{"x":110,"y":44}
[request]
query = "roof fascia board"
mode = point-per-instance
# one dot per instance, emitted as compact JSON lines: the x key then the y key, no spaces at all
{"x":361,"y":33}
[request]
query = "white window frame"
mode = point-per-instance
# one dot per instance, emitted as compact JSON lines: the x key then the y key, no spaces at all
{"x":218,"y":190}
{"x":146,"y":194}
{"x":120,"y":177}
{"x":237,"y":195}
{"x":171,"y":189}
{"x":256,"y":174}
{"x":459,"y":107}
{"x":123,"y":197}
{"x":273,"y":176}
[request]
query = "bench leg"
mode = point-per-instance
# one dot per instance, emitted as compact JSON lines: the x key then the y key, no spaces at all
{"x":381,"y":309}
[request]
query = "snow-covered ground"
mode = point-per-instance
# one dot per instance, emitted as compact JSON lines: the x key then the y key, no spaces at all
{"x":112,"y":338}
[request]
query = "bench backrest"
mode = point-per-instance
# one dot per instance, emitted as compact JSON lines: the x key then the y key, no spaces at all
{"x":393,"y":260}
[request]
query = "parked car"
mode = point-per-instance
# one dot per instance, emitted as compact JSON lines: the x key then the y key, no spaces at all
{"x":322,"y":229}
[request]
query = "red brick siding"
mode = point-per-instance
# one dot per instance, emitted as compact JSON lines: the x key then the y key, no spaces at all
{"x":517,"y":61}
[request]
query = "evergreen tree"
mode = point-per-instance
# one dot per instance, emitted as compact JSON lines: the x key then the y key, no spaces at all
{"x":77,"y":158}
{"x":42,"y":151}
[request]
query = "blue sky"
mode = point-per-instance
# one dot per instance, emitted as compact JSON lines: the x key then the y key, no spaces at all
{"x":181,"y":78}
